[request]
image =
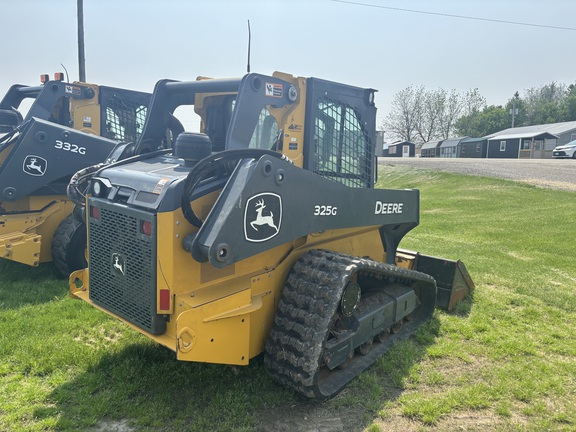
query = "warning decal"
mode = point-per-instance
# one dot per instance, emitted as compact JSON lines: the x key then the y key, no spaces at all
{"x":160,"y":186}
{"x":274,"y":90}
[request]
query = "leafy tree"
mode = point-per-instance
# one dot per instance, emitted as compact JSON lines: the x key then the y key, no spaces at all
{"x":473,"y":104}
{"x":481,"y":123}
{"x":569,"y":104}
{"x":544,"y":104}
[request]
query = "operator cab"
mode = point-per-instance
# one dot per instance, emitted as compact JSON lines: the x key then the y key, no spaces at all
{"x":233,"y":113}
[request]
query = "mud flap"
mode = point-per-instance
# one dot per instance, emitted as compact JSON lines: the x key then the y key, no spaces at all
{"x":452,"y":279}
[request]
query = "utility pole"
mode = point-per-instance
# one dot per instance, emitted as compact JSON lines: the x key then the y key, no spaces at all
{"x":81,"y":58}
{"x":514,"y":110}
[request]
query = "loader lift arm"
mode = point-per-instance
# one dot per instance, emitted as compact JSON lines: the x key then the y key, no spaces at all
{"x":326,"y":205}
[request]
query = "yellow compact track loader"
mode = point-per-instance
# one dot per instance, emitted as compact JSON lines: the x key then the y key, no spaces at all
{"x":38,"y":155}
{"x":262,"y":234}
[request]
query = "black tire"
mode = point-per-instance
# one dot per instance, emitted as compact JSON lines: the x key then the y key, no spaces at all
{"x":69,"y":246}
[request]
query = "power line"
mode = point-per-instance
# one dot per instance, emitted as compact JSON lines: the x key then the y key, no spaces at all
{"x":456,"y":16}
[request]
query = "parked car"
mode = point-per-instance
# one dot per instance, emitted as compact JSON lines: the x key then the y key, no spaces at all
{"x":565,"y":151}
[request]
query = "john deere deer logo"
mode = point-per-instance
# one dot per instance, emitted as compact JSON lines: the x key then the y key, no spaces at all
{"x":35,"y":165}
{"x":263,"y":220}
{"x":262,"y":217}
{"x":118,"y":264}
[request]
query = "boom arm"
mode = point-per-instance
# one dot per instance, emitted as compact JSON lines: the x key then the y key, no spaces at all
{"x":47,"y":153}
{"x":270,"y":202}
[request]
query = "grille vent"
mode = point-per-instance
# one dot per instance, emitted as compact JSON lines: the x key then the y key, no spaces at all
{"x":123,"y":266}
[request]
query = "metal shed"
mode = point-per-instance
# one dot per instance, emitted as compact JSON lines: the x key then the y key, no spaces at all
{"x":449,"y":147}
{"x":473,"y":147}
{"x":520,"y":145}
{"x":431,"y":149}
{"x":400,"y":149}
{"x":380,"y":144}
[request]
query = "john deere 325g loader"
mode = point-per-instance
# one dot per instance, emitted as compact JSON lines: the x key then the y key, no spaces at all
{"x":38,"y":155}
{"x":262,"y":234}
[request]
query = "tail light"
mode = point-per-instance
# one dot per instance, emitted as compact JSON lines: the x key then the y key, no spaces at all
{"x":146,"y":228}
{"x":164,"y":300}
{"x":95,"y":212}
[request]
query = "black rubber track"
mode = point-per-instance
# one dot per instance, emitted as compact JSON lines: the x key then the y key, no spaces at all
{"x":69,"y":246}
{"x":308,"y":309}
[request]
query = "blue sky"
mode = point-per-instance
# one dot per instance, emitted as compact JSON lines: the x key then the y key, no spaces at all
{"x":134,"y":43}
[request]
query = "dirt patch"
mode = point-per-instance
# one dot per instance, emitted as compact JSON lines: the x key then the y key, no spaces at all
{"x":299,"y":418}
{"x":113,"y":426}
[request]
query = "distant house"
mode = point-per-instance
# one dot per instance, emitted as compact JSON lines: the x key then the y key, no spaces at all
{"x":473,"y":147}
{"x":400,"y":149}
{"x":450,"y":148}
{"x":430,"y":149}
{"x":565,"y":132}
{"x":534,"y":142}
{"x":519,"y":145}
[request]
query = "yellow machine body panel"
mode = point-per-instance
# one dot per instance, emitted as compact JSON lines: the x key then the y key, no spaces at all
{"x":291,"y":121}
{"x":85,"y":113}
{"x":26,"y":236}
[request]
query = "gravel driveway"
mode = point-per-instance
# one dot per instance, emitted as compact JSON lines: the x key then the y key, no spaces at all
{"x":547,"y":173}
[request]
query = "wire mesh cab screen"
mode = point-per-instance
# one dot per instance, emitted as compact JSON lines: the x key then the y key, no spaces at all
{"x":340,"y":133}
{"x":124,"y":113}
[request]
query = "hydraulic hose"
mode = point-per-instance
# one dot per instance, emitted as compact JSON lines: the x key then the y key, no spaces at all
{"x":78,"y":184}
{"x":9,"y":139}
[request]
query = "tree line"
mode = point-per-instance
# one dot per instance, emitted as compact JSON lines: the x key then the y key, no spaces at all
{"x":420,"y":115}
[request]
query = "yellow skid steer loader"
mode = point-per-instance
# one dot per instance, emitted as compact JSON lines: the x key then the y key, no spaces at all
{"x":262,"y":234}
{"x":38,"y":155}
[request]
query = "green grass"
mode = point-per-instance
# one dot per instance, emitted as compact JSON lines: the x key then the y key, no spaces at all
{"x":505,"y":360}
